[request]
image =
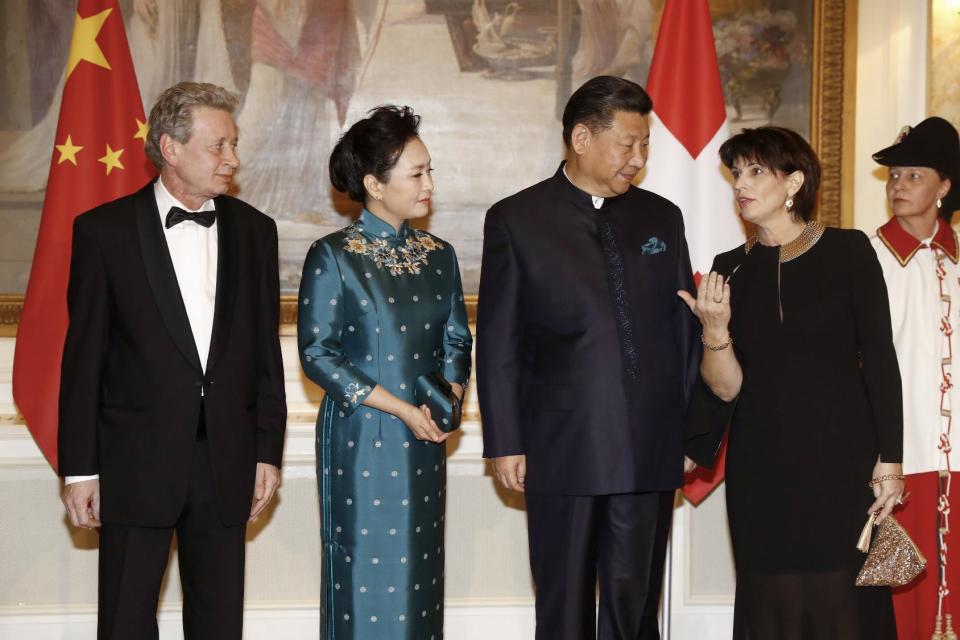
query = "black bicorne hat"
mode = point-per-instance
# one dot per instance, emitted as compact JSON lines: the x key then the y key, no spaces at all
{"x":933,"y":143}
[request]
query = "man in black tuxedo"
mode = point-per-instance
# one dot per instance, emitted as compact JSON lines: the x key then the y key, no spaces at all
{"x":586,"y":359}
{"x":172,"y":407}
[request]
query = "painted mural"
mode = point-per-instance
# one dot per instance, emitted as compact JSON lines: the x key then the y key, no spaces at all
{"x":943,"y":82}
{"x":489,"y":78}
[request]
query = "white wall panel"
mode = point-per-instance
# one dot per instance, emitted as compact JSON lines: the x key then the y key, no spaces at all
{"x":891,"y":92}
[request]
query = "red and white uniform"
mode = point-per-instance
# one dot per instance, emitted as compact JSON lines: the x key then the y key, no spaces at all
{"x":923,"y":283}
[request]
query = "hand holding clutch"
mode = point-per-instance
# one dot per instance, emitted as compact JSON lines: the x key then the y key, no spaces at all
{"x":433,"y":390}
{"x":893,"y":559}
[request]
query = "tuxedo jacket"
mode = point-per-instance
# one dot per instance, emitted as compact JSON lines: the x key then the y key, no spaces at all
{"x":596,"y":406}
{"x":131,"y":378}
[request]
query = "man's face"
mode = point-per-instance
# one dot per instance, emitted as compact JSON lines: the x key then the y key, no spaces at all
{"x":205,"y":164}
{"x":611,"y":158}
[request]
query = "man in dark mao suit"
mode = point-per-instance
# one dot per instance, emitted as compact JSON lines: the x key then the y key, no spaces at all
{"x":172,"y":408}
{"x":586,"y":359}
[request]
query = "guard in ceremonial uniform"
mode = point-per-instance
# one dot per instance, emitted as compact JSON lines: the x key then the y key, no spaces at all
{"x":920,"y":256}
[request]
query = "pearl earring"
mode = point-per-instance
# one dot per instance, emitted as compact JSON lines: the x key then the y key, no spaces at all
{"x":789,"y":204}
{"x":939,"y":203}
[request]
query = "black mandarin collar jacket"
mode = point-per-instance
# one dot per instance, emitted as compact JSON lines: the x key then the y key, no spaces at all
{"x":553,"y":373}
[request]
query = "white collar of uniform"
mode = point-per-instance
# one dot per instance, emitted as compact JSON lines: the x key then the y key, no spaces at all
{"x":926,"y":241}
{"x":165,"y":200}
{"x":597,"y":200}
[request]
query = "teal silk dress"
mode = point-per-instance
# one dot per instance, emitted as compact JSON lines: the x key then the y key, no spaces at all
{"x":380,"y":307}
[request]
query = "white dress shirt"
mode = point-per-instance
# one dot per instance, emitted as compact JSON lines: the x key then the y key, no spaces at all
{"x":193,"y":250}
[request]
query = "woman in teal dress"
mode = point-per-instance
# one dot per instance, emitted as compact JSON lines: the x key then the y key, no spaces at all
{"x":380,"y":305}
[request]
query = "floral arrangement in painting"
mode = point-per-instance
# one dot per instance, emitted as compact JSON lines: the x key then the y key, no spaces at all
{"x":755,"y":52}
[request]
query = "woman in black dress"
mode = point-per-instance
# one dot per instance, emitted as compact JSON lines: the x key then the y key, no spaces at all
{"x":796,"y":328}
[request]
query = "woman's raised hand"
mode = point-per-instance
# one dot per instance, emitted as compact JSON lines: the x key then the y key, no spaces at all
{"x":712,"y":304}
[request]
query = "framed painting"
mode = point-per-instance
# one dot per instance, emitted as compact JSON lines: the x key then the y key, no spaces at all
{"x":943,"y":88}
{"x":489,"y":78}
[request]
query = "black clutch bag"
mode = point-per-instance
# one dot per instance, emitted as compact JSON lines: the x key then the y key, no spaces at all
{"x":433,"y":390}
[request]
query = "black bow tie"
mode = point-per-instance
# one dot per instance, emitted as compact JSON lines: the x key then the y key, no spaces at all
{"x":176,"y":215}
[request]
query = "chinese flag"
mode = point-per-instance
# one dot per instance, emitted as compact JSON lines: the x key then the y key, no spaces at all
{"x":688,"y":125}
{"x":98,"y":156}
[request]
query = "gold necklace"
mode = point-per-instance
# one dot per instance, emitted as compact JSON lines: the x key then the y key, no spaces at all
{"x":811,"y":233}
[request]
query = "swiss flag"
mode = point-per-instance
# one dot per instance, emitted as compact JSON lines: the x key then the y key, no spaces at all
{"x":688,"y":125}
{"x":98,"y":156}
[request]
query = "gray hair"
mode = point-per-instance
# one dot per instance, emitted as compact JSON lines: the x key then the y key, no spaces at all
{"x":172,"y":113}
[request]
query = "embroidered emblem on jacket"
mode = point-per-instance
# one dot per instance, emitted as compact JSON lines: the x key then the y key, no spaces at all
{"x":354,"y":392}
{"x":653,"y":245}
{"x":405,"y":258}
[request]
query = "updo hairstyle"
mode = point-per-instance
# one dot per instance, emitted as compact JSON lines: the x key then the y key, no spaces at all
{"x":371,"y":146}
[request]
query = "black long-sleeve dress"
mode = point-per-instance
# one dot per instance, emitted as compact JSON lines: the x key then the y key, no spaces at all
{"x":820,"y":400}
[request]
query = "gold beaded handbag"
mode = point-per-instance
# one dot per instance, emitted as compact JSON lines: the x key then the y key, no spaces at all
{"x":893,"y":559}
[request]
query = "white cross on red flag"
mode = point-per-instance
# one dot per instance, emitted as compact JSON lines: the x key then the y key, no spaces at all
{"x":688,"y":125}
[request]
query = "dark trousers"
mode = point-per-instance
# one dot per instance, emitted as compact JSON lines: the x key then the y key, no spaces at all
{"x":620,"y":538}
{"x":134,"y":559}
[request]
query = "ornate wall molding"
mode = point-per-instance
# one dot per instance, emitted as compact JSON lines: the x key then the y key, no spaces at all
{"x":10,"y":307}
{"x":827,"y":103}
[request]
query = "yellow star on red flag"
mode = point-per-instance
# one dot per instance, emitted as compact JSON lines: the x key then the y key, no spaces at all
{"x":142,"y":130}
{"x":101,"y":103}
{"x":68,"y":151}
{"x":111,"y":159}
{"x":84,"y":44}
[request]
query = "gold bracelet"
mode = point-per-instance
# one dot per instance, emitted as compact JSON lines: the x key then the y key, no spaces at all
{"x":719,"y":347}
{"x":893,"y":476}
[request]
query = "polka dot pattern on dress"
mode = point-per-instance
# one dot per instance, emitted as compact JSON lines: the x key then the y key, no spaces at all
{"x":386,"y":559}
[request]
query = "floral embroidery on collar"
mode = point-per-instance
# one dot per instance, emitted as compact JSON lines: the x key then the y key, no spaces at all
{"x":404,"y":258}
